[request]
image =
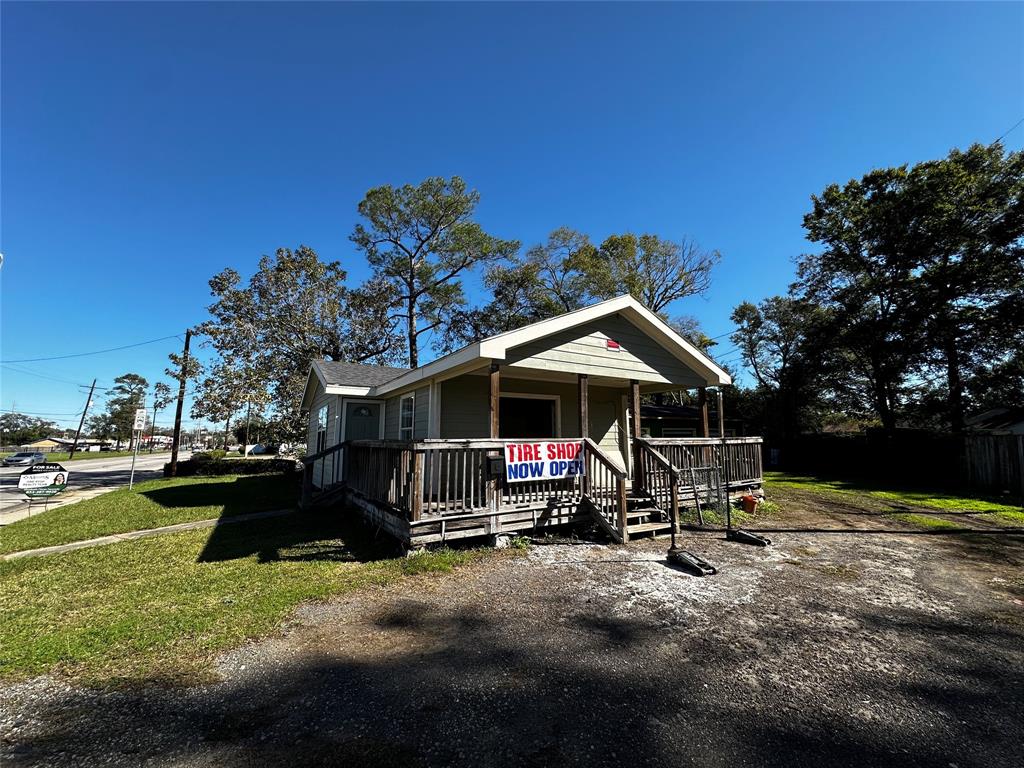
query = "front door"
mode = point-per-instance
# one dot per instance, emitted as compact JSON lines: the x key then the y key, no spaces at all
{"x":527,"y":417}
{"x":362,"y":421}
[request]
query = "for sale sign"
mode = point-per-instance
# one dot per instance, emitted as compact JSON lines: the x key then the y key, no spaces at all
{"x":543,"y":461}
{"x":43,"y":480}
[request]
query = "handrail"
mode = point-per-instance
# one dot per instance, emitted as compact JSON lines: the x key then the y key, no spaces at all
{"x":324,"y":453}
{"x":703,"y":440}
{"x":643,"y":442}
{"x":595,"y":450}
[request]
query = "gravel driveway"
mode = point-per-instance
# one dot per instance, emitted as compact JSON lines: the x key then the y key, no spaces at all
{"x":826,"y":649}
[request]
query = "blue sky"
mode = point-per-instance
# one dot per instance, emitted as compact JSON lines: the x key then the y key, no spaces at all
{"x":147,"y":146}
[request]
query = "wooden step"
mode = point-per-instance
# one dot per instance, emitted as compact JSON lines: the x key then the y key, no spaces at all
{"x":643,"y":513}
{"x":648,"y":527}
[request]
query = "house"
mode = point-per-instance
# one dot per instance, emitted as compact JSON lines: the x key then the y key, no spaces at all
{"x":43,"y":444}
{"x":432,"y":453}
{"x":1003,"y":421}
{"x":671,"y":420}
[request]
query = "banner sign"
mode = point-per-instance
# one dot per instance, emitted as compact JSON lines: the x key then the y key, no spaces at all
{"x":543,"y":461}
{"x":43,"y":480}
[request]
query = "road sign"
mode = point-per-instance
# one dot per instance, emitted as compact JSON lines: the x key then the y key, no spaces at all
{"x":140,"y":419}
{"x":42,"y":480}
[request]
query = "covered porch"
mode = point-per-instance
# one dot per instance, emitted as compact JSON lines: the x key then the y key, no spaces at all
{"x":420,"y":452}
{"x":452,"y":484}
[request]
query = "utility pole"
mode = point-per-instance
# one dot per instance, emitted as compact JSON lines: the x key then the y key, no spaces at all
{"x":176,"y":440}
{"x":88,"y":402}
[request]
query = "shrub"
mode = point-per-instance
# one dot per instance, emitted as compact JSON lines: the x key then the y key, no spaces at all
{"x":208,"y":455}
{"x":207,"y":467}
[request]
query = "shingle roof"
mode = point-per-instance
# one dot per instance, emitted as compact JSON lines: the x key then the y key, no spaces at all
{"x":997,"y":419}
{"x":341,"y":374}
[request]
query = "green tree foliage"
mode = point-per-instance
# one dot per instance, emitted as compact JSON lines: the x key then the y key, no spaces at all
{"x":294,"y":309}
{"x":19,"y":429}
{"x":655,"y":271}
{"x":421,"y":240}
{"x":922,"y":272}
{"x":778,"y":339}
{"x":567,"y":272}
{"x":127,"y":395}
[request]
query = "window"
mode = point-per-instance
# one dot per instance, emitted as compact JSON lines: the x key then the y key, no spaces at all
{"x":321,"y":429}
{"x":678,"y":432}
{"x":406,"y":417}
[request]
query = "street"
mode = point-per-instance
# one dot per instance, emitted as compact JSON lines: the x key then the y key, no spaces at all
{"x":87,"y":478}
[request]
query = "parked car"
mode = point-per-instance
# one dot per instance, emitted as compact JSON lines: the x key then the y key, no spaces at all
{"x":24,"y":459}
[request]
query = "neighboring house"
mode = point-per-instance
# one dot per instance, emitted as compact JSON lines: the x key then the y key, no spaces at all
{"x":669,"y":420}
{"x":43,"y":444}
{"x":1005,"y":421}
{"x":416,"y":449}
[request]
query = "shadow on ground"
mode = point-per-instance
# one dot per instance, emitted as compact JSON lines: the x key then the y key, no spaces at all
{"x":591,"y":690}
{"x":331,"y":535}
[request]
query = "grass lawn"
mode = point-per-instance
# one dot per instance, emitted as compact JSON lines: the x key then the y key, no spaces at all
{"x":88,"y":455}
{"x":159,"y":610}
{"x":149,"y":505}
{"x":1004,"y":512}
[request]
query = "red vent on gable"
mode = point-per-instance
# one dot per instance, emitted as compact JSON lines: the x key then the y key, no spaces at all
{"x":612,"y":345}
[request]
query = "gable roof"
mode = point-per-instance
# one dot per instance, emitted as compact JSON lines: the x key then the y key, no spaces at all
{"x":997,"y":419}
{"x":496,"y":347}
{"x":341,"y":374}
{"x":362,"y":380}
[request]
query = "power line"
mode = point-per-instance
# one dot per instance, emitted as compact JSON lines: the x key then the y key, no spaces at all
{"x":86,"y":354}
{"x":44,"y":376}
{"x":1011,"y":130}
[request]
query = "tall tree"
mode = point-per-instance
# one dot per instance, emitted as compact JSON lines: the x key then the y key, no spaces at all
{"x":778,"y":340}
{"x":922,"y":268}
{"x":126,"y":396}
{"x":18,"y":429}
{"x":294,"y":309}
{"x":420,"y":241}
{"x":219,"y":397}
{"x":162,"y":397}
{"x":971,"y":248}
{"x":655,"y":271}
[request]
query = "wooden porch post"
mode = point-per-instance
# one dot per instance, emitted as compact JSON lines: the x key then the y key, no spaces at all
{"x":584,"y":407}
{"x":721,"y":416}
{"x":495,"y":409}
{"x":634,"y":405}
{"x":702,"y":404}
{"x":495,"y":400}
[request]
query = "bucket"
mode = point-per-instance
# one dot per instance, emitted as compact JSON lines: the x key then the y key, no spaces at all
{"x":749,"y":504}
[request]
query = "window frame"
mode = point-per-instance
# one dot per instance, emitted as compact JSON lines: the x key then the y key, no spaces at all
{"x":323,"y":414}
{"x":407,"y":432}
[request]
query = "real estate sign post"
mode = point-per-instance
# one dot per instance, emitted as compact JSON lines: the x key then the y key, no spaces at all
{"x":43,"y":480}
{"x":543,"y":461}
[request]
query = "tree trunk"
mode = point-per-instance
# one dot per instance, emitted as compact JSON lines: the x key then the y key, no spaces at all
{"x":227,"y":427}
{"x":954,"y":384}
{"x":413,"y":351}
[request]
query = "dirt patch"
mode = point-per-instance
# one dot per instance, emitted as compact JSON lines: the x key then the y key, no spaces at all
{"x":856,"y":648}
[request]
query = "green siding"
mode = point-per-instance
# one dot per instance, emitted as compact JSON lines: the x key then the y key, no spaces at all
{"x":465,"y":407}
{"x":584,"y":349}
{"x":421,"y":415}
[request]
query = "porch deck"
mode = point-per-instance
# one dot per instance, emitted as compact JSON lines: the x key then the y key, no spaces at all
{"x":428,"y":491}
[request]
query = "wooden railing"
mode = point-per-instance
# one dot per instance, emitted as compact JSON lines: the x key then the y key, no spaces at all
{"x":322,"y":472}
{"x":427,"y":478}
{"x":604,"y":489}
{"x":659,"y":479}
{"x":739,"y":458}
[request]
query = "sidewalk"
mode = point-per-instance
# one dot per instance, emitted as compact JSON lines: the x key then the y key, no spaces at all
{"x":131,"y":535}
